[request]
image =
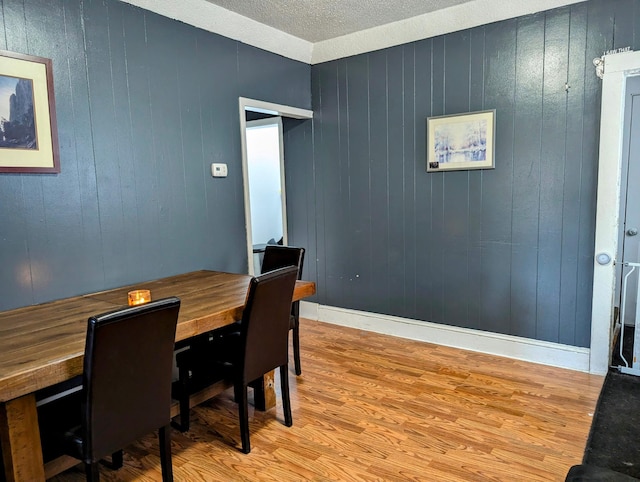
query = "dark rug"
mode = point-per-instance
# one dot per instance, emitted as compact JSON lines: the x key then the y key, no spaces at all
{"x":614,"y":439}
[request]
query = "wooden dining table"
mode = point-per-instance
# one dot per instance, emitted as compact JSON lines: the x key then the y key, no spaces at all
{"x":43,"y":345}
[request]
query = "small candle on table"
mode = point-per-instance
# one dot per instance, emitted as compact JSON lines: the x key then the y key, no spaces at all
{"x":139,"y":297}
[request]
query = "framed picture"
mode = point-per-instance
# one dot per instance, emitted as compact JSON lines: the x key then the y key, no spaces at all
{"x":28,"y":130}
{"x":461,"y":141}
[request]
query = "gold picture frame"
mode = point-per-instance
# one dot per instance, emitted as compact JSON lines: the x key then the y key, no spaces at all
{"x":28,"y":128}
{"x":461,"y":141}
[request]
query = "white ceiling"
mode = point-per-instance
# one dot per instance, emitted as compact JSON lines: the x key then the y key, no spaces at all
{"x":318,"y":20}
{"x":314,"y":31}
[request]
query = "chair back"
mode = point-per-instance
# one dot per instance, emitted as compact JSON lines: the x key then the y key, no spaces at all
{"x":276,"y":256}
{"x":265,"y":323}
{"x":127,"y":375}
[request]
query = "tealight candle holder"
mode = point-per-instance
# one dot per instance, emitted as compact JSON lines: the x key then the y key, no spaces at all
{"x":138,"y":297}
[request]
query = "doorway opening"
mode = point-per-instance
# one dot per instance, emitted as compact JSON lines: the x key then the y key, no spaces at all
{"x":249,"y":109}
{"x":267,"y":193}
{"x":618,"y":68}
{"x":627,"y":353}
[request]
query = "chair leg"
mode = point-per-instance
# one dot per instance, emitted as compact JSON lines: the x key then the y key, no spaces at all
{"x":296,"y":341}
{"x":183,"y":377}
{"x":116,"y":460}
{"x":164,"y":436}
{"x":92,"y":472}
{"x":243,"y":414}
{"x":286,"y":402}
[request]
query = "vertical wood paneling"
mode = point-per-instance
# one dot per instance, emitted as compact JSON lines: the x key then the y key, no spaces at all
{"x":195,"y":171}
{"x":35,"y":271}
{"x":14,"y":250}
{"x":623,"y":11}
{"x":316,"y":208}
{"x":359,"y":227}
{"x":255,"y":64}
{"x":16,"y":274}
{"x":497,"y":202}
{"x":456,"y":187}
{"x":508,"y":250}
{"x":552,"y":165}
{"x":62,"y":203}
{"x":111,"y":205}
{"x":142,"y":111}
{"x":142,"y":145}
{"x":422,"y":186}
{"x":476,"y":102}
{"x":70,"y":64}
{"x":335,"y":240}
{"x":396,"y":251}
{"x":409,"y":190}
{"x":300,"y":186}
{"x":309,"y":190}
{"x":573,"y":188}
{"x":146,"y":104}
{"x":636,"y":26}
{"x":379,"y":172}
{"x":526,"y":175}
{"x":599,"y":39}
{"x":165,"y":102}
{"x":118,"y":155}
{"x":436,"y":181}
{"x":325,"y":118}
{"x":345,"y":268}
{"x":221,"y":143}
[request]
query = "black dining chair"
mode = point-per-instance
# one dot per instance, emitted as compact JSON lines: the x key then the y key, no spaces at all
{"x":126,"y":388}
{"x":276,"y":256}
{"x":244,"y":356}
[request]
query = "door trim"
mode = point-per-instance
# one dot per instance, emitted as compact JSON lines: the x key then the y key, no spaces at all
{"x":253,"y":105}
{"x":617,"y":68}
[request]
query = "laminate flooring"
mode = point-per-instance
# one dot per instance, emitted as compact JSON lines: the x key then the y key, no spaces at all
{"x":371,"y":407}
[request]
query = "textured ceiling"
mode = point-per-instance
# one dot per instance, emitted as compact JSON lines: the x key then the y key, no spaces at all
{"x":318,"y":20}
{"x":316,"y":31}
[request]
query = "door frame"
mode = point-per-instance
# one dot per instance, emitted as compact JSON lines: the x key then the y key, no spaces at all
{"x":254,"y":105}
{"x":617,"y":68}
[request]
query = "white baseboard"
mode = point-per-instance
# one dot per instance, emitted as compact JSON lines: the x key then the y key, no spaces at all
{"x":526,"y":349}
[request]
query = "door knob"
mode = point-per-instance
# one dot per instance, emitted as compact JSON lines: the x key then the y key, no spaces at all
{"x":632,"y":231}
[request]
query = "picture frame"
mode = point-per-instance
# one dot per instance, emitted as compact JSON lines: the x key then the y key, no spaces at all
{"x":28,"y":127}
{"x":461,"y":141}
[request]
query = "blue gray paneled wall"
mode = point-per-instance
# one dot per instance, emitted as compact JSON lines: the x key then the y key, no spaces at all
{"x":144,"y":105}
{"x":508,"y":250}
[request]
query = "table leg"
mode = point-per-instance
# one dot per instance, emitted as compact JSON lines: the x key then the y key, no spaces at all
{"x":264,"y":394}
{"x":20,"y":440}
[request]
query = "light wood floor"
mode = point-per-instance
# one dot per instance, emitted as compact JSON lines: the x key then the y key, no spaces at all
{"x":373,"y":407}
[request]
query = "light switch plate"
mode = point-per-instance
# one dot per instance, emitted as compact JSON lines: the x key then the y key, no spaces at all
{"x":218,"y":170}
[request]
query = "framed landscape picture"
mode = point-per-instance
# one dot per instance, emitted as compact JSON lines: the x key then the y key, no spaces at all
{"x":28,"y":135}
{"x":461,"y":141}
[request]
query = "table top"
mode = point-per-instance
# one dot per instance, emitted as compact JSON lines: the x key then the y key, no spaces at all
{"x":42,"y":345}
